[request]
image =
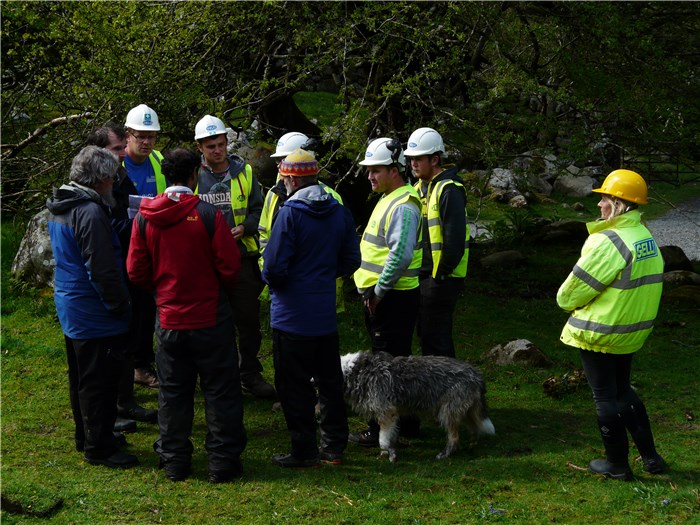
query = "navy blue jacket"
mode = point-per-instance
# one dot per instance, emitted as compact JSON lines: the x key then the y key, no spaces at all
{"x":313,"y":241}
{"x":90,"y":292}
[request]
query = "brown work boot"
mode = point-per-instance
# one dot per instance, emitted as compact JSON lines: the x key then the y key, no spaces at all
{"x":256,"y":385}
{"x":145,"y":377}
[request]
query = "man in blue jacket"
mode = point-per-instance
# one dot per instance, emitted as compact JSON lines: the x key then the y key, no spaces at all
{"x":313,"y":242}
{"x":92,"y":301}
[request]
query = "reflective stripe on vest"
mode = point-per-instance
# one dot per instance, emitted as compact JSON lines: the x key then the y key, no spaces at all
{"x":373,"y":244}
{"x":431,"y":213}
{"x":622,"y":316}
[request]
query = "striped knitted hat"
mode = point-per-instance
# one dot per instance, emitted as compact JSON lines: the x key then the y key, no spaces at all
{"x":299,"y":163}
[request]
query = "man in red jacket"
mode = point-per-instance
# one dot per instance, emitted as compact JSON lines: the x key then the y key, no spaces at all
{"x":182,"y":249}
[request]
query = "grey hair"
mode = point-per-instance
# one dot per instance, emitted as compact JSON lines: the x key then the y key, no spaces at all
{"x":92,"y":165}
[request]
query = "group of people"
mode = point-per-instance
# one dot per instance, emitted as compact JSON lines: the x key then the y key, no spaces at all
{"x":191,"y":264}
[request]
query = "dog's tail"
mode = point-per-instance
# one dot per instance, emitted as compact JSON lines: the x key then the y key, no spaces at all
{"x":479,"y":416}
{"x":486,"y":427}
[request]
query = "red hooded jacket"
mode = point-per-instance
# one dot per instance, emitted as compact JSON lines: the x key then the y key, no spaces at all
{"x":189,"y":270}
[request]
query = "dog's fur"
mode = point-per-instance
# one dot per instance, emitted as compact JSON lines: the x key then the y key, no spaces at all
{"x":383,"y":387}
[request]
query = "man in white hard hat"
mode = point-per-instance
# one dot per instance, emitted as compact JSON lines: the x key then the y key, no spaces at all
{"x":391,"y":259}
{"x":142,"y":163}
{"x":445,"y":240}
{"x":228,"y":182}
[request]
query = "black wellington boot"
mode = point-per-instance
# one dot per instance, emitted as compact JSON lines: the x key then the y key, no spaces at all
{"x":615,"y":465}
{"x":637,"y":423}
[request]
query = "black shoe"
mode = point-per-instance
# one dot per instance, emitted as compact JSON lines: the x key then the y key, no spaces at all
{"x":125,"y":425}
{"x":175,"y":471}
{"x":120,"y":439}
{"x":655,"y":464}
{"x":225,"y":475}
{"x":257,"y":386}
{"x":366,"y":438}
{"x":330,"y":458}
{"x":138,"y":413}
{"x":289,"y":461}
{"x":611,"y":470}
{"x":116,"y":460}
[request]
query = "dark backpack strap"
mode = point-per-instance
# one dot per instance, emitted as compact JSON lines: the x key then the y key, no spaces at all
{"x":208,"y":214}
{"x":141,"y":221}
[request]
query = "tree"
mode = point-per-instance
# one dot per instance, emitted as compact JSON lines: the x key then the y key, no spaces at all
{"x":495,"y":78}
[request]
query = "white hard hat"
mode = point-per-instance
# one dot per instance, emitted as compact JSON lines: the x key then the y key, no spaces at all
{"x":384,"y":152}
{"x":142,"y":118}
{"x":424,"y":141}
{"x":209,"y":126}
{"x":288,"y":143}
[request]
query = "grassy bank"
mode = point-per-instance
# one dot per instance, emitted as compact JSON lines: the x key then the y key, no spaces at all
{"x":528,"y":473}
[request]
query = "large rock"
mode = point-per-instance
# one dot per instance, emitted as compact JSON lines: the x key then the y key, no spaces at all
{"x":564,"y":231}
{"x":505,"y":259}
{"x":687,"y":294}
{"x":34,"y":262}
{"x":675,"y":259}
{"x":519,"y":351}
{"x":579,"y":186}
{"x":679,"y":277}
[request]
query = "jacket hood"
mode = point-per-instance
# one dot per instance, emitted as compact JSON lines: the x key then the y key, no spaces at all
{"x":450,"y":172}
{"x":169,"y":207}
{"x":69,"y":196}
{"x":313,"y":200}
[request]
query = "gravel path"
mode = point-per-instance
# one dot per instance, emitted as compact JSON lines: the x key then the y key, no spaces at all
{"x":680,"y":227}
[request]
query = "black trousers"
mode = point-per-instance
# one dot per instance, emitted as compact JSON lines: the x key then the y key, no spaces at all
{"x":609,"y":378}
{"x":246,"y":315}
{"x":142,"y":327}
{"x":394,"y":320}
{"x":209,"y":353}
{"x":298,"y":358}
{"x":438,"y":300}
{"x":94,"y":367}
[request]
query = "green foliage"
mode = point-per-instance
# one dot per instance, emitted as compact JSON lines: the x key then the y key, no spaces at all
{"x":495,"y":78}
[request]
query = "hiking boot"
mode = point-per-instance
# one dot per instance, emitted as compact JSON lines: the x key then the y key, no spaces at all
{"x":289,"y":461}
{"x":257,"y":386}
{"x":330,"y":458}
{"x":124,"y":425}
{"x":145,"y":377}
{"x":138,"y":413}
{"x":365,"y":438}
{"x":654,"y":464}
{"x":116,"y":460}
{"x":611,"y":470}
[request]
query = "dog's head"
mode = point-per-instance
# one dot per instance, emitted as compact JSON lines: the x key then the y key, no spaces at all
{"x":347,"y":362}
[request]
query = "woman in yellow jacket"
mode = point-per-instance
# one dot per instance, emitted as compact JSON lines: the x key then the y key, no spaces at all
{"x":613,"y":296}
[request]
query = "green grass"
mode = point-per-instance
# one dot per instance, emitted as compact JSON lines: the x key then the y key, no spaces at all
{"x":525,"y":474}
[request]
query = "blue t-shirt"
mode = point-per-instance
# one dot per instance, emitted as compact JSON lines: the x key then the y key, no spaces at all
{"x":143,"y":176}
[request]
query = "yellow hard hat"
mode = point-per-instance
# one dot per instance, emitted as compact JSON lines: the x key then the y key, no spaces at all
{"x":627,"y":185}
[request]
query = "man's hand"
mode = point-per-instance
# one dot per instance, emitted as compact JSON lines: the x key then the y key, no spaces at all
{"x":238,"y":231}
{"x":370,"y":300}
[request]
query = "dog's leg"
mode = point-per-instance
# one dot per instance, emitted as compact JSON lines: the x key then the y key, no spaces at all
{"x":388,"y":430}
{"x":451,"y":426}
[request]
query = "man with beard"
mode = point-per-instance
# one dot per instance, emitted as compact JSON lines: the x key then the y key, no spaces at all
{"x":112,"y":136}
{"x":92,"y":301}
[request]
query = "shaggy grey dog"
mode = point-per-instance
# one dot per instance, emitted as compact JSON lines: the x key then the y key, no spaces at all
{"x":383,"y":387}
